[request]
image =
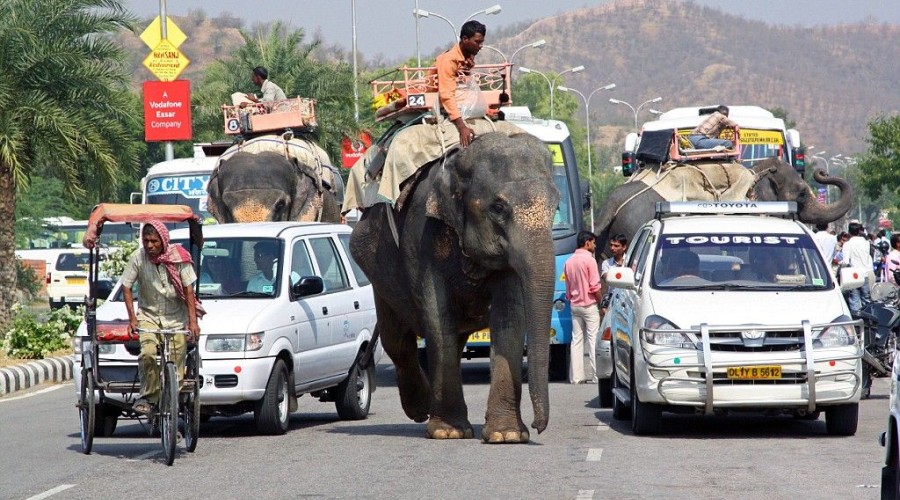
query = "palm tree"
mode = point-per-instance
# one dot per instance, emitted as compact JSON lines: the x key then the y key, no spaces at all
{"x":63,"y":105}
{"x":292,"y":66}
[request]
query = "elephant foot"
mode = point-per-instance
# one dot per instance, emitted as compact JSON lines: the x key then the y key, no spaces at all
{"x":438,"y":429}
{"x":496,"y":434}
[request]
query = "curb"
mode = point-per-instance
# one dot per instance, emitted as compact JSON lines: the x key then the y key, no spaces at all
{"x":20,"y":377}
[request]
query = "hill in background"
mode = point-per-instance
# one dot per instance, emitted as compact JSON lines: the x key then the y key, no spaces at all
{"x":831,"y":80}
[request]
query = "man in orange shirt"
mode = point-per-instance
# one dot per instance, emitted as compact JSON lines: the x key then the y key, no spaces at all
{"x":453,"y":64}
{"x":583,"y":294}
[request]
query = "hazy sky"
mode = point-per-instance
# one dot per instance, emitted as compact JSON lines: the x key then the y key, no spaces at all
{"x":388,"y":26}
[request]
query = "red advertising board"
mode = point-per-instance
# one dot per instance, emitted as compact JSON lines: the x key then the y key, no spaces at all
{"x":167,"y":111}
{"x":354,"y":149}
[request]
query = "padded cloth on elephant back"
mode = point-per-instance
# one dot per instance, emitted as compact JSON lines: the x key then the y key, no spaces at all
{"x":411,"y":149}
{"x":705,"y":181}
{"x":303,"y":151}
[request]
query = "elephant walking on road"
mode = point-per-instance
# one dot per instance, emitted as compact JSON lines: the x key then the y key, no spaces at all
{"x":474,"y":249}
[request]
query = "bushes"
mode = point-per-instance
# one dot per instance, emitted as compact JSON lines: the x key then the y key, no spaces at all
{"x":115,"y":261}
{"x":28,"y":338}
{"x":27,"y":281}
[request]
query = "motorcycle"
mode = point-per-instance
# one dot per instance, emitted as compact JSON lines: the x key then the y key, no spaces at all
{"x":881,"y":325}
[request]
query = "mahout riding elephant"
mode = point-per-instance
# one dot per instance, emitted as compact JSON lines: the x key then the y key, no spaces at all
{"x":266,"y":186}
{"x":474,"y":249}
{"x":775,"y":181}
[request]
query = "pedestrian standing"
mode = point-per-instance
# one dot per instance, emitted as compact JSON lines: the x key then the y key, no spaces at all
{"x":618,"y":245}
{"x":826,"y":242}
{"x":857,"y":256}
{"x":583,"y":294}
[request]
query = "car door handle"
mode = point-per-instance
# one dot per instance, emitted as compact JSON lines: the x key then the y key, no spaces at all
{"x":324,"y":309}
{"x":356,"y":304}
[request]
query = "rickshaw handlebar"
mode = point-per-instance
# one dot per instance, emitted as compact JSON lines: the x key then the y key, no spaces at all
{"x":162,"y":331}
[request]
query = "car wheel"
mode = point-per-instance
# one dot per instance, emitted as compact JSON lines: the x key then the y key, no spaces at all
{"x":619,"y":410}
{"x":105,"y":421}
{"x":271,"y":412}
{"x":646,"y":418}
{"x":606,"y":396}
{"x":354,"y":394}
{"x":422,"y":357}
{"x":842,"y":420}
{"x":558,"y":368}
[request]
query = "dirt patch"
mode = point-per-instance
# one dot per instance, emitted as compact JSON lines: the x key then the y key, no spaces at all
{"x":5,"y":360}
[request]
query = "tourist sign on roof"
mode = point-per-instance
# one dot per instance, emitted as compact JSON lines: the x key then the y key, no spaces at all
{"x":166,"y":62}
{"x":152,"y":35}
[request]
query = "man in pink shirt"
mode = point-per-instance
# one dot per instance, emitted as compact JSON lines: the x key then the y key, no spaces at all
{"x":583,"y":294}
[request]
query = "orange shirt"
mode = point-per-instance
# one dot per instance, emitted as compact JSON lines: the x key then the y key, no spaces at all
{"x":449,"y":65}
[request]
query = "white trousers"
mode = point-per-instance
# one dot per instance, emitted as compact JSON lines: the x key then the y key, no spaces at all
{"x":585,"y":325}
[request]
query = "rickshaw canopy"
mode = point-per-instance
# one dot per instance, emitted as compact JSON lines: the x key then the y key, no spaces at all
{"x":121,"y":212}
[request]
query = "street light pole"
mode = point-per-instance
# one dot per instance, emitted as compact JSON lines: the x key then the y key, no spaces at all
{"x":508,"y":60}
{"x":587,"y":119}
{"x":355,"y":67}
{"x":417,"y":13}
{"x":551,"y":83}
{"x":638,"y":110}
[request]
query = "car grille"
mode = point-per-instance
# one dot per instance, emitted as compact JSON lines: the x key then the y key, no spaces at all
{"x":226,"y":381}
{"x":722,"y":379}
{"x":772,"y":342}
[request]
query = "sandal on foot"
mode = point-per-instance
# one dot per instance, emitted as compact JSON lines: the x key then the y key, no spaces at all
{"x":142,"y":406}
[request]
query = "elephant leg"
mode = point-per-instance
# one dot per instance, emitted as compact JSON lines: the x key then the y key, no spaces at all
{"x":503,"y":418}
{"x":449,"y":413}
{"x":399,"y":343}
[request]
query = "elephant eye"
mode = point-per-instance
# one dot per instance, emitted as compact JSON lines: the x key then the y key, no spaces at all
{"x":498,"y":208}
{"x":279,"y":206}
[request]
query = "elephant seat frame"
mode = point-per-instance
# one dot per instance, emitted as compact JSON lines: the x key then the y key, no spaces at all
{"x":267,"y":117}
{"x":679,"y":153}
{"x":414,"y":92}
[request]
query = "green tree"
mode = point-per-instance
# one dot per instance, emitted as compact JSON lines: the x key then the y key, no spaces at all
{"x":63,"y":93}
{"x":291,"y":65}
{"x":880,"y":165}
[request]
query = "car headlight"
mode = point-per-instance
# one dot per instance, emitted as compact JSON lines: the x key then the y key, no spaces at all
{"x":81,"y":342}
{"x":235,"y":343}
{"x":668,"y":336}
{"x":836,"y":336}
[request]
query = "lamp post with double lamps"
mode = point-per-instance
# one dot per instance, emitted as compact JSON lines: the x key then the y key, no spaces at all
{"x":508,"y":60}
{"x":552,"y":83}
{"x":421,"y":13}
{"x":587,"y":116}
{"x":827,"y":172}
{"x":638,"y":110}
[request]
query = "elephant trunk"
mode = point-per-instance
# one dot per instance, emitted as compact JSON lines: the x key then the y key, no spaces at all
{"x":536,"y":271}
{"x":813,"y":212}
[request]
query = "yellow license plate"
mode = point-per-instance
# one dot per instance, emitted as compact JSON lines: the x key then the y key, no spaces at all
{"x":76,"y":281}
{"x":754,"y":372}
{"x":480,"y":336}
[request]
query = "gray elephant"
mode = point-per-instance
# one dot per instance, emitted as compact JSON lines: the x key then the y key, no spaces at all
{"x":474,"y":249}
{"x":775,"y":181}
{"x":255,"y":187}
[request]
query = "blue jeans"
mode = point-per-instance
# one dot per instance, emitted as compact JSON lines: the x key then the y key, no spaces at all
{"x":858,"y":298}
{"x":700,"y":141}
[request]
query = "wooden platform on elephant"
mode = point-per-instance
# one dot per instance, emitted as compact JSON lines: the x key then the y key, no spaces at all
{"x":277,"y":116}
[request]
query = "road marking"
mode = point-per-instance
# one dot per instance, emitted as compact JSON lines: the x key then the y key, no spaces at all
{"x":602,"y":426}
{"x":585,"y":495}
{"x":145,"y":456}
{"x":51,"y":492}
{"x":35,"y":393}
{"x":594,"y":454}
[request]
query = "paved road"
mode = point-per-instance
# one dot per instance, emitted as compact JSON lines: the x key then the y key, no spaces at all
{"x":583,"y":454}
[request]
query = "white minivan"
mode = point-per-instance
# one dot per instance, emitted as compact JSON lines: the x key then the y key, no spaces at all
{"x":265,"y":342}
{"x":726,"y":307}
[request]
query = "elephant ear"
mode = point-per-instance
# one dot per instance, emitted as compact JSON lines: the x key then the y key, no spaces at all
{"x":307,"y":185}
{"x":214,"y":194}
{"x":446,"y":201}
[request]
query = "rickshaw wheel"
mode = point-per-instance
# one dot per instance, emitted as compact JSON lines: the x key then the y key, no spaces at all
{"x":192,"y":406}
{"x":87,"y":411}
{"x":168,"y":411}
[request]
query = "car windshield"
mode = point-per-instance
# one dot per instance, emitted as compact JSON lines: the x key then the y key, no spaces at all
{"x":739,"y":262}
{"x":239,"y":267}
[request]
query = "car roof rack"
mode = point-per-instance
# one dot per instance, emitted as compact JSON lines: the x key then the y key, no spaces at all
{"x":785,"y":209}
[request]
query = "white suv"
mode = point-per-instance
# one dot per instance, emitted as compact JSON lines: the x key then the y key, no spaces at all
{"x":724,"y":307}
{"x":305,"y":333}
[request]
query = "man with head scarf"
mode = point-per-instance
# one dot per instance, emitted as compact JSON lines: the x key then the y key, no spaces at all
{"x":165,"y":276}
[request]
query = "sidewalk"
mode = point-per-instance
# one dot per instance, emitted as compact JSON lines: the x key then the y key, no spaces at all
{"x":20,"y":377}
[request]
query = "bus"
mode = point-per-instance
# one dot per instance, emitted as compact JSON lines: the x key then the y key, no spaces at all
{"x":762,"y":135}
{"x":574,"y":202}
{"x":183,"y":181}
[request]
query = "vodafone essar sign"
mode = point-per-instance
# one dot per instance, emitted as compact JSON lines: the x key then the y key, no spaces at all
{"x":167,"y":111}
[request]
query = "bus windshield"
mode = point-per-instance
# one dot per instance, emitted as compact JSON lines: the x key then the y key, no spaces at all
{"x":564,"y":217}
{"x":757,"y":145}
{"x":183,"y":189}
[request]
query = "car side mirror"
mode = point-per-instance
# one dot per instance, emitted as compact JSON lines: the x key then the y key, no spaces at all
{"x":308,"y":285}
{"x":104,"y":288}
{"x":851,"y":278}
{"x":621,"y":277}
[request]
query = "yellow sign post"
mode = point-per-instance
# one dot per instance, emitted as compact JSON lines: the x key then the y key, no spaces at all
{"x":152,"y":35}
{"x":166,"y":62}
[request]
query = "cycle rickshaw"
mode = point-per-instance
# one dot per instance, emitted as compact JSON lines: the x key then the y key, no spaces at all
{"x":96,"y":383}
